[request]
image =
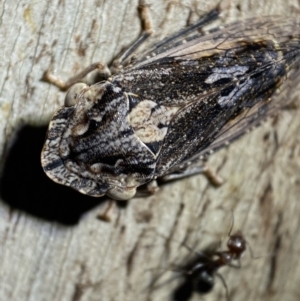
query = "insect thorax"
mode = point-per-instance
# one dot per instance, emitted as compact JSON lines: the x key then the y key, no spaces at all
{"x":94,"y":146}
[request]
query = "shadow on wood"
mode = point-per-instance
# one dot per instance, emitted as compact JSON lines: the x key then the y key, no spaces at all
{"x":25,"y":186}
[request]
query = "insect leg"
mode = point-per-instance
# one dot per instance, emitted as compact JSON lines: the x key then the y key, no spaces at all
{"x":184,"y":33}
{"x":65,"y":85}
{"x":238,"y":265}
{"x":147,"y":31}
{"x":194,"y":169}
{"x":224,"y":284}
{"x":212,"y":176}
{"x":147,"y":189}
{"x":152,"y":187}
{"x":106,"y":215}
{"x":116,"y":65}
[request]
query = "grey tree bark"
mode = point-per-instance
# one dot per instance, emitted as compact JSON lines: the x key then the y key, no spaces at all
{"x":53,"y":246}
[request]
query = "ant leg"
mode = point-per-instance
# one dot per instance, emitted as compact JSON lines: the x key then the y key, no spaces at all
{"x":224,"y":284}
{"x":154,"y":282}
{"x":252,"y":253}
{"x":235,"y":266}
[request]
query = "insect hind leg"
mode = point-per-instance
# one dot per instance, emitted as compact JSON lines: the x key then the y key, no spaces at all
{"x":195,"y":169}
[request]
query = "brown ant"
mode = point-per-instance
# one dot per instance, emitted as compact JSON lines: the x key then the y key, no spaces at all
{"x":200,"y":272}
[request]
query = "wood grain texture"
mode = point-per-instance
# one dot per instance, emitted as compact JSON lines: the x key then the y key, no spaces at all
{"x":53,"y":246}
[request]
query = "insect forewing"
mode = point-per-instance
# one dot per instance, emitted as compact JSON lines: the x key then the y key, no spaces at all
{"x":221,"y":84}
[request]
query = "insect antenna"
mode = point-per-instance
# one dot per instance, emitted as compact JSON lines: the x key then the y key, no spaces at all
{"x":206,"y":19}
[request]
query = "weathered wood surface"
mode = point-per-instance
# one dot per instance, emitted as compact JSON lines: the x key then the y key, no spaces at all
{"x":53,"y":247}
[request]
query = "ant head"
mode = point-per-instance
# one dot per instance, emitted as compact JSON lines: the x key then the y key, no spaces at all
{"x":237,"y":244}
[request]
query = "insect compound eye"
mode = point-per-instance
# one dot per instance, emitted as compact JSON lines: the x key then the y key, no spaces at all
{"x":72,"y":94}
{"x":203,"y":281}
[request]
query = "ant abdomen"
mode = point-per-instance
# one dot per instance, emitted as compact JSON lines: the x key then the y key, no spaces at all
{"x":203,"y":281}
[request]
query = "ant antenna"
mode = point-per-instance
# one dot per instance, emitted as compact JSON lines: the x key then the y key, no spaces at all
{"x":232,"y":223}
